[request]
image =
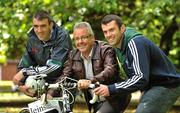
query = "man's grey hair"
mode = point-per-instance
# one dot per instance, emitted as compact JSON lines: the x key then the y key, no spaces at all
{"x":84,"y":25}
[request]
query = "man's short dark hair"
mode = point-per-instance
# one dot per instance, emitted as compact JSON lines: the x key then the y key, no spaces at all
{"x":111,"y":17}
{"x":41,"y":14}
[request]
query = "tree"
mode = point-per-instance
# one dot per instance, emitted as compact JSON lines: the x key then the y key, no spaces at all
{"x":158,"y":20}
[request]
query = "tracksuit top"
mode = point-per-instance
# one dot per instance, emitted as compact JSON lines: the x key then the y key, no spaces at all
{"x":144,"y":63}
{"x":47,"y":57}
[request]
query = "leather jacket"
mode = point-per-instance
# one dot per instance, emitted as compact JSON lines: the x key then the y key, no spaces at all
{"x":104,"y":65}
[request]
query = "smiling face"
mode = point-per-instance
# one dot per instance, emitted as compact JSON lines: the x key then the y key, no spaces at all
{"x":113,"y":33}
{"x":42,"y":28}
{"x":83,"y":40}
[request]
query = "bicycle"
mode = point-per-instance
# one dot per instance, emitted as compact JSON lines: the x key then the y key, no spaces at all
{"x":45,"y":105}
{"x":56,"y":104}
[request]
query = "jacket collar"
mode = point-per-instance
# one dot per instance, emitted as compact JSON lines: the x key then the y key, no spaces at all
{"x":129,"y":34}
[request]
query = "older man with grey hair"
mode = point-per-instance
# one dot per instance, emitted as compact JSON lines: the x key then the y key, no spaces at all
{"x":94,"y":61}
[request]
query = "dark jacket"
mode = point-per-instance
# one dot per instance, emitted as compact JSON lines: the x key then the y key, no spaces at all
{"x":104,"y":65}
{"x":47,"y":57}
{"x":145,"y":65}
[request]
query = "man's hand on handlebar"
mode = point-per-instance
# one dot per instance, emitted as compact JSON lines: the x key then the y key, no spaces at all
{"x":102,"y":90}
{"x":83,"y":84}
{"x":26,"y":91}
{"x":17,"y":78}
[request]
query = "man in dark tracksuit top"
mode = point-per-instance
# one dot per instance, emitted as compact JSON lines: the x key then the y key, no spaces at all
{"x":46,"y":51}
{"x":145,"y":65}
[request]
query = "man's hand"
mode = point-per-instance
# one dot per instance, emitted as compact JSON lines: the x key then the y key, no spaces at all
{"x":49,"y":96}
{"x":102,"y":90}
{"x":17,"y":78}
{"x":83,"y":84}
{"x":27,"y":91}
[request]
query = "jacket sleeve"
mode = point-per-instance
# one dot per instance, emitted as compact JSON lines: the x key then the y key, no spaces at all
{"x":137,"y":68}
{"x":109,"y":74}
{"x":27,"y":60}
{"x":67,"y":71}
{"x":26,"y":63}
{"x":58,"y":56}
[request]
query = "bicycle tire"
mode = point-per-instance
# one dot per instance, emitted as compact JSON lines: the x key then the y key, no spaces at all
{"x":25,"y":110}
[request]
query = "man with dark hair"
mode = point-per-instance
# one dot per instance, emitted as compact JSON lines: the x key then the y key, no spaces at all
{"x":145,"y":67}
{"x":46,"y":51}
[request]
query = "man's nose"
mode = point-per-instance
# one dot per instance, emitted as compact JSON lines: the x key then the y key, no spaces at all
{"x":80,"y":40}
{"x":39,"y":29}
{"x":108,"y":34}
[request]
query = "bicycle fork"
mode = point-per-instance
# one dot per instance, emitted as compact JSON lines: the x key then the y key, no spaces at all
{"x":66,"y":104}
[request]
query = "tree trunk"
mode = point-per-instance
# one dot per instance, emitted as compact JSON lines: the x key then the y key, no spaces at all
{"x":167,"y":36}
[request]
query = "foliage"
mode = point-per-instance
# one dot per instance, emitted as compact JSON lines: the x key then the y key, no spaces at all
{"x":152,"y":18}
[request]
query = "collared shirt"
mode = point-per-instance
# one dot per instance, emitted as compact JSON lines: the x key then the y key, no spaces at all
{"x":88,"y":65}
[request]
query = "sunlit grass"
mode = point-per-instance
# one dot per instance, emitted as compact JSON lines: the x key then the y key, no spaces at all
{"x":9,"y":109}
{"x":15,"y":97}
{"x":78,"y":108}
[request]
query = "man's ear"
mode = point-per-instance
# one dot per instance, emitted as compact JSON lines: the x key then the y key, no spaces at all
{"x":123,"y":28}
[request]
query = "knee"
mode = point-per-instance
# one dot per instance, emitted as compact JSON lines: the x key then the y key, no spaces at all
{"x":144,"y":108}
{"x":141,"y":108}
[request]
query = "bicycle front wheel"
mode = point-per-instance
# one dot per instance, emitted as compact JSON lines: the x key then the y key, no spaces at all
{"x":24,"y":110}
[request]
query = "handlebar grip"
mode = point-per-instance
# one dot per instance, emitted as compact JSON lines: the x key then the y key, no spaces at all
{"x":53,"y":86}
{"x":42,"y":75}
{"x":69,"y":84}
{"x":92,"y":86}
{"x":95,"y":97}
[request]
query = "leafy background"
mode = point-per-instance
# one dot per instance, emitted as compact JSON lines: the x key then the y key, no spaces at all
{"x":157,"y":20}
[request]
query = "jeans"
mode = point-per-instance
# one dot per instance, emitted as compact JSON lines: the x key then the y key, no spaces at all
{"x":104,"y":107}
{"x":158,"y":99}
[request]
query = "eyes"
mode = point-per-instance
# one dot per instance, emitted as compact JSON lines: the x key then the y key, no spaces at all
{"x":39,"y":26}
{"x":83,"y":38}
{"x":109,"y":31}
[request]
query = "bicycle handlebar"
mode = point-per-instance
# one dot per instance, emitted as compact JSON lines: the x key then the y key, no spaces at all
{"x":57,"y":85}
{"x":69,"y":84}
{"x":93,"y":86}
{"x":74,"y":85}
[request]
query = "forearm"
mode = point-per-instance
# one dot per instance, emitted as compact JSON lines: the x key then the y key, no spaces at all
{"x":17,"y":79}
